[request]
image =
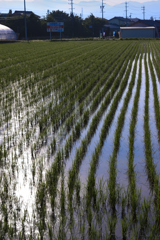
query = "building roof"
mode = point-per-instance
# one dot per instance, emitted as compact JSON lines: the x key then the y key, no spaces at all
{"x":134,"y":19}
{"x":21,"y":13}
{"x":137,"y":28}
{"x":147,"y":23}
{"x":121,"y":19}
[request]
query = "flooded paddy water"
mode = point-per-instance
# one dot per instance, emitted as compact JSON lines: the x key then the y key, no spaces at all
{"x":58,"y":133}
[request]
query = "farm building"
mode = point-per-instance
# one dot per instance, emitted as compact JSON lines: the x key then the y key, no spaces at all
{"x":148,"y":23}
{"x":7,"y":33}
{"x":137,"y":32}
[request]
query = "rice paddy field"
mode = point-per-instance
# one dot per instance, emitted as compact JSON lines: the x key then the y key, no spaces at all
{"x":80,"y":140}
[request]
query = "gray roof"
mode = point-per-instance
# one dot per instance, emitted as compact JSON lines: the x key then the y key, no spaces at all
{"x":121,"y":19}
{"x":137,"y":28}
{"x":148,"y":23}
{"x":22,"y":12}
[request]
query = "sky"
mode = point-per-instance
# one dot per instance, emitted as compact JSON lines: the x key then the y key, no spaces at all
{"x":86,"y":7}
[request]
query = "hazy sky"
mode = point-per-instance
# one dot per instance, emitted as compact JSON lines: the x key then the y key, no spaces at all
{"x":85,"y":7}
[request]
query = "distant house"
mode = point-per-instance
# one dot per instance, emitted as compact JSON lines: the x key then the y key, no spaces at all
{"x":148,"y":23}
{"x":120,"y":21}
{"x":21,"y":13}
{"x":16,"y":14}
{"x":133,"y":20}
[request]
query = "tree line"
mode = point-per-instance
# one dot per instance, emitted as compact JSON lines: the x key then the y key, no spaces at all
{"x":74,"y":26}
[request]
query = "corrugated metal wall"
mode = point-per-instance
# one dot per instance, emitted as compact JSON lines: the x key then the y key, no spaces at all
{"x":137,"y":32}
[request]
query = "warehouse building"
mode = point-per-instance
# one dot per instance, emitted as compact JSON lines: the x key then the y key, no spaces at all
{"x":137,"y":32}
{"x":148,"y":23}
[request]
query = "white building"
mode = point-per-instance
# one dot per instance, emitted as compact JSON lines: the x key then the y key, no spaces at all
{"x":137,"y":32}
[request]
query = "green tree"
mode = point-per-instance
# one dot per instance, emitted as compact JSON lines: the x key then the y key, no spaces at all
{"x":94,"y":25}
{"x":74,"y":26}
{"x":34,"y":27}
{"x":10,"y":13}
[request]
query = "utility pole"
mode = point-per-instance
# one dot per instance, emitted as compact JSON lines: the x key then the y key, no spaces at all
{"x":72,"y":16}
{"x":143,"y":9}
{"x":71,"y":7}
{"x":25,"y":22}
{"x":81,"y":15}
{"x":102,"y":7}
{"x":126,"y":8}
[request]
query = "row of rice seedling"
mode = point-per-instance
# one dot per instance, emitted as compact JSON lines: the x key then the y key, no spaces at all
{"x":99,"y":89}
{"x":35,"y":48}
{"x":71,"y":120}
{"x":40,"y":50}
{"x":74,"y":134}
{"x":156,"y":59}
{"x":73,"y":215}
{"x":94,"y":161}
{"x":156,"y":98}
{"x":151,"y":168}
{"x":131,"y":173}
{"x":72,"y":82}
{"x":72,"y":115}
{"x":33,"y":66}
{"x":147,"y":137}
{"x":112,"y":162}
{"x":123,"y":222}
{"x":55,"y":163}
{"x":61,"y":120}
{"x":74,"y":170}
{"x":84,"y":119}
{"x":142,"y":218}
{"x":127,"y":221}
